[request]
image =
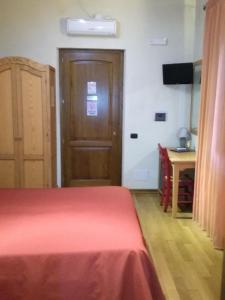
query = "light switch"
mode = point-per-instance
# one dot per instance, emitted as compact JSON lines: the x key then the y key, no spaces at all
{"x":160,"y":117}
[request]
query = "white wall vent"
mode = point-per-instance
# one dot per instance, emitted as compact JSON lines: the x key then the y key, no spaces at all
{"x":91,"y":27}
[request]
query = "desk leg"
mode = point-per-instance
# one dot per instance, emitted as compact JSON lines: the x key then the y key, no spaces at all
{"x":176,"y":172}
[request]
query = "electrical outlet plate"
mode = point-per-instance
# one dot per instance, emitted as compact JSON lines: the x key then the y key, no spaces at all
{"x":159,"y":41}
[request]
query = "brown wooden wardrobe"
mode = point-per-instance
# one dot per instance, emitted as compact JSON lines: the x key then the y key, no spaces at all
{"x":27,"y":124}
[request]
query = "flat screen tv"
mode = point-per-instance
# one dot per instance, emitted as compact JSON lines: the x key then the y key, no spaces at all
{"x":178,"y":73}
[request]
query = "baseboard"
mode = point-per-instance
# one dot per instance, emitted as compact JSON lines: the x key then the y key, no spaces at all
{"x":145,"y":191}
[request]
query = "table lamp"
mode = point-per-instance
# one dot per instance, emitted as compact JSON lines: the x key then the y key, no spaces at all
{"x":184,"y":136}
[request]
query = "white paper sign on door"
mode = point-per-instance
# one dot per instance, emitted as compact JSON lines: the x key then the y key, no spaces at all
{"x":91,"y":87}
{"x":92,"y":98}
{"x":92,"y":108}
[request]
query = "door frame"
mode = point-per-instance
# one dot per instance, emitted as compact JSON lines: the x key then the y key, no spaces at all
{"x":61,"y":99}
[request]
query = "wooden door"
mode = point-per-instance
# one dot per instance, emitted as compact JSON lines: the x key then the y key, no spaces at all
{"x":8,"y":128}
{"x":91,"y":88}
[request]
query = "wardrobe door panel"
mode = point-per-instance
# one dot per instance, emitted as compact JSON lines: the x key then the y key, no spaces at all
{"x":33,"y":174}
{"x":6,"y":113}
{"x":32,"y":98}
{"x":27,"y":123}
{"x":7,"y":174}
{"x":34,"y":127}
{"x":8,"y":158}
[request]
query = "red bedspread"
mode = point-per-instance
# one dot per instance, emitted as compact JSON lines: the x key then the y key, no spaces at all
{"x":73,"y":244}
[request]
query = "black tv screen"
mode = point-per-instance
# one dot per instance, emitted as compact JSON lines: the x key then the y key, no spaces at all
{"x":178,"y":73}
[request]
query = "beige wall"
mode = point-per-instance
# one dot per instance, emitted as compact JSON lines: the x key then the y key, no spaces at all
{"x":33,"y":28}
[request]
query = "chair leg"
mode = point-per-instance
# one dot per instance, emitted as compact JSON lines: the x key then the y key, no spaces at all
{"x":166,"y":199}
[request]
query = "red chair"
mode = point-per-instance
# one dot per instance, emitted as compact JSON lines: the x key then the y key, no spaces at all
{"x":186,"y":184}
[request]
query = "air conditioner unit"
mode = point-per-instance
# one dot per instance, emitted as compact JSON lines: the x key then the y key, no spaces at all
{"x":91,"y":27}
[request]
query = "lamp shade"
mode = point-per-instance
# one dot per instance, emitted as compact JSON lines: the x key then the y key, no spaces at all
{"x":183,"y":132}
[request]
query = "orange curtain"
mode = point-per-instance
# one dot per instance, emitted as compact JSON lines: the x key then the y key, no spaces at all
{"x":209,"y":204}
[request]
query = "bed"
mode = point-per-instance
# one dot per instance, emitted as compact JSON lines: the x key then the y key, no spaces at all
{"x":73,"y":244}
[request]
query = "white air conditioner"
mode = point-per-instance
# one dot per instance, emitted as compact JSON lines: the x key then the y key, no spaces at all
{"x":91,"y":27}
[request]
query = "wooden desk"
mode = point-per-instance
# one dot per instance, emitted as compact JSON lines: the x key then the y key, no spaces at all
{"x":180,"y":161}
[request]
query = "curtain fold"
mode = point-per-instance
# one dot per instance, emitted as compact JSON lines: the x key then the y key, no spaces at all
{"x":209,"y":203}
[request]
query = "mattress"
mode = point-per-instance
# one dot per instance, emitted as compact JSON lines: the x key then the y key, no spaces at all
{"x":73,"y":244}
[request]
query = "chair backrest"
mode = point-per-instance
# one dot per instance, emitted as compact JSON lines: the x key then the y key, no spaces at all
{"x":165,"y":162}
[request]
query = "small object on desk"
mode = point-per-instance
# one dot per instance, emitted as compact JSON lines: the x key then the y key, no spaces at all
{"x":182,"y":149}
{"x":184,"y":136}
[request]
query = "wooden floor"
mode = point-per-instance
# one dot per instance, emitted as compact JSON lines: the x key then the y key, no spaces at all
{"x":188,"y":266}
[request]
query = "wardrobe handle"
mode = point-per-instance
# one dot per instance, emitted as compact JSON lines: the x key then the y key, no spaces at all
{"x":18,"y":138}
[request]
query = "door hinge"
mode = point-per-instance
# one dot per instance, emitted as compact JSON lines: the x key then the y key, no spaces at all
{"x":62,"y":60}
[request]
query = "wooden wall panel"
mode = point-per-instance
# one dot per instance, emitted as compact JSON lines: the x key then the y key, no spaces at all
{"x":32,"y":100}
{"x":90,"y":163}
{"x":6,"y":113}
{"x":7,"y":177}
{"x":34,"y":174}
{"x":86,"y":127}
